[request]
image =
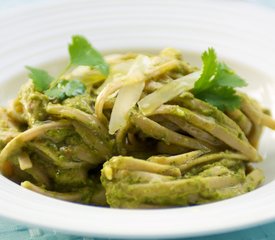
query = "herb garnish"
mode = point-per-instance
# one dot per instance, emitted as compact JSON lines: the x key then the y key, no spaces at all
{"x":65,"y":89}
{"x":217,"y":82}
{"x":40,"y":78}
{"x":81,"y":54}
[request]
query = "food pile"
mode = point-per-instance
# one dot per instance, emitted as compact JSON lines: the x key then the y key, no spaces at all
{"x":134,"y":130}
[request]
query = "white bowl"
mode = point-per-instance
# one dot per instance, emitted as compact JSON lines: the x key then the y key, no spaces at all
{"x":242,"y":34}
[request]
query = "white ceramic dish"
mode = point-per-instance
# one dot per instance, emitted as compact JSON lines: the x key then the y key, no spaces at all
{"x":242,"y":34}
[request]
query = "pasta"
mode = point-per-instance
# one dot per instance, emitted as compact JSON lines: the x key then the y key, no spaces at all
{"x":138,"y":137}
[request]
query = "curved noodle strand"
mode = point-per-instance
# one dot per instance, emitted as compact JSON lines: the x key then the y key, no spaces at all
{"x":16,"y":143}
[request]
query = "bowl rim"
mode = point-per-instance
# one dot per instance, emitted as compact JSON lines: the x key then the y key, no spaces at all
{"x":132,"y":217}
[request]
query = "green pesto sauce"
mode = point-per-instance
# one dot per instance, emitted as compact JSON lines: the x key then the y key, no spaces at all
{"x":35,"y":104}
{"x":83,"y":102}
{"x":69,"y":178}
{"x":119,"y":193}
{"x":59,"y":135}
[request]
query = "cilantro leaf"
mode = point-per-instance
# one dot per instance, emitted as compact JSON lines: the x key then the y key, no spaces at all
{"x":40,"y":78}
{"x":221,"y":97}
{"x":82,"y":53}
{"x":226,"y":77}
{"x":56,"y":93}
{"x":74,"y":88}
{"x":65,"y":89}
{"x":209,"y":59}
{"x":217,"y":82}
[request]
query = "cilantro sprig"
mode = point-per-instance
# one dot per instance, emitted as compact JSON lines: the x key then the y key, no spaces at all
{"x":65,"y":89}
{"x":81,"y":54}
{"x":40,"y":78}
{"x":217,"y":83}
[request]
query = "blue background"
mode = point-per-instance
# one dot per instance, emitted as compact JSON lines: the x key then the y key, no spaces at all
{"x":10,"y":230}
